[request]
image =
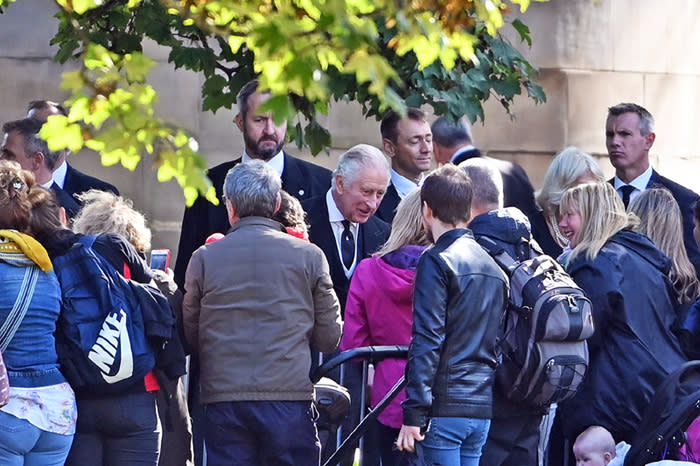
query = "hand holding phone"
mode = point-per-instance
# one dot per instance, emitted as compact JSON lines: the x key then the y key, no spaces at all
{"x":160,"y":259}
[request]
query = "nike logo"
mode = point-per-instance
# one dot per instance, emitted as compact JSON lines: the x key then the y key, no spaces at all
{"x":113,"y":336}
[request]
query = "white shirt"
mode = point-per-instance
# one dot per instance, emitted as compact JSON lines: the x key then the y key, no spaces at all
{"x":336,"y":219}
{"x":59,"y":174}
{"x":640,"y":183}
{"x":403,"y":185}
{"x":276,"y":162}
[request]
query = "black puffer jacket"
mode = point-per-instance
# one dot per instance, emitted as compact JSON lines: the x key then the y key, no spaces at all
{"x":633,"y":348}
{"x":459,"y":299}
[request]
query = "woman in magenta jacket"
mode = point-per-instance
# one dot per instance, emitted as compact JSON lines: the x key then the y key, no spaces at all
{"x":378,"y":311}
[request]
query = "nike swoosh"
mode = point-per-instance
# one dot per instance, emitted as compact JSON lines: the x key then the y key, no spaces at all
{"x":126,"y":358}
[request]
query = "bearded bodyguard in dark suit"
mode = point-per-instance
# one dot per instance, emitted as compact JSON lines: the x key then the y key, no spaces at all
{"x":629,"y":135}
{"x":263,"y":141}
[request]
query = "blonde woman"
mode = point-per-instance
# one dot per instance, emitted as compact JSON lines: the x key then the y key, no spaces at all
{"x":105,"y":212}
{"x":569,"y":168}
{"x":379,"y":311}
{"x":626,"y":278}
{"x":660,"y":220}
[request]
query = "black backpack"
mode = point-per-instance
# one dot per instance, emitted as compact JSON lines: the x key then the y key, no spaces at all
{"x":548,"y":319}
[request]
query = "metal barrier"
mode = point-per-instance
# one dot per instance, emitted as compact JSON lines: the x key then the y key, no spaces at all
{"x":368,"y":355}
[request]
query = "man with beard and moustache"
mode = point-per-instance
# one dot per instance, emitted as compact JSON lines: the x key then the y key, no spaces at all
{"x":263,"y":140}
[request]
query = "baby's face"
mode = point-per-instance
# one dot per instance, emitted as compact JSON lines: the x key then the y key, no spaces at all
{"x":590,"y":458}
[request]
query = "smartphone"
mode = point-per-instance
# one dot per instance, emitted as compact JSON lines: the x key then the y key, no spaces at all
{"x":160,"y":259}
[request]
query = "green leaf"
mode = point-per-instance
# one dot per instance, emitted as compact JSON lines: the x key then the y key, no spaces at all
{"x":281,"y":108}
{"x":137,"y":66}
{"x":317,"y":137}
{"x":59,"y":134}
{"x":523,"y":30}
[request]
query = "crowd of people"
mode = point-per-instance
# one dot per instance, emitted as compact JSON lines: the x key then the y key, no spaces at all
{"x":298,"y":263}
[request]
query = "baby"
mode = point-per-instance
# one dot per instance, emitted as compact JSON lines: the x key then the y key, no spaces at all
{"x":594,"y":447}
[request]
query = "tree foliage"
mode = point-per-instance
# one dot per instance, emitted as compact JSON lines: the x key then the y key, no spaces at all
{"x":384,"y":54}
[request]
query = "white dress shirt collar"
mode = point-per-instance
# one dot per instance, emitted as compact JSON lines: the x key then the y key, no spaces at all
{"x":276,"y":162}
{"x":59,"y":174}
{"x":640,"y":183}
{"x":403,"y":185}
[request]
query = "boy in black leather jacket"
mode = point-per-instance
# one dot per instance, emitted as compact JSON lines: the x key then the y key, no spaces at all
{"x":459,"y":300}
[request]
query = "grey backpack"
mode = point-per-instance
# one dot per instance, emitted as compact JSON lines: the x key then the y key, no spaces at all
{"x":548,"y":319}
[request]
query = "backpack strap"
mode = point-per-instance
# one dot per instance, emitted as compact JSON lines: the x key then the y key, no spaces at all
{"x":19,"y":310}
{"x":87,"y":240}
{"x":498,"y":253}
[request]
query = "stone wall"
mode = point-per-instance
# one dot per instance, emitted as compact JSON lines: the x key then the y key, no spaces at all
{"x":591,"y":55}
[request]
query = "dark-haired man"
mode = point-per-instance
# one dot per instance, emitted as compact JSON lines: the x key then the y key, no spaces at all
{"x":453,"y":143}
{"x":629,"y":135}
{"x":459,"y":299}
{"x":264,"y":140}
{"x":22,"y":144}
{"x":408,"y":142}
{"x":67,"y":177}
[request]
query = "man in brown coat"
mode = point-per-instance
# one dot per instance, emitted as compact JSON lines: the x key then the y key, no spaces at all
{"x":256,"y":301}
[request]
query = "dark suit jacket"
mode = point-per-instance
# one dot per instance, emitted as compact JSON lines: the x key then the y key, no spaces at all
{"x":686,"y":200}
{"x":518,"y":192}
{"x":387,"y":209}
{"x":77,"y":182}
{"x":301,"y":179}
{"x":371,"y":236}
{"x":66,"y":201}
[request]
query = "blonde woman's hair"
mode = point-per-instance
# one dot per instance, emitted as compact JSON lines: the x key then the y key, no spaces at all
{"x":105,"y":212}
{"x":407,"y":227}
{"x":563,"y":173}
{"x":602,"y":215}
{"x":660,"y":220}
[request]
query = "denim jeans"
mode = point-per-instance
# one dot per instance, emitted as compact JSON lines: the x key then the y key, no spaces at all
{"x":23,"y":444}
{"x":454,"y":441}
{"x":117,"y":430}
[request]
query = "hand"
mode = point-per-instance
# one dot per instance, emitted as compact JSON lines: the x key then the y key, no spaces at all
{"x":408,"y":436}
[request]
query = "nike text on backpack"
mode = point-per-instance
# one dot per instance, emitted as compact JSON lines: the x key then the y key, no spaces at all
{"x":544,"y":349}
{"x":111,"y":327}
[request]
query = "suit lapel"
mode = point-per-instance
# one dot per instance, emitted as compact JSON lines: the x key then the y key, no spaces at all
{"x":654,"y":179}
{"x":69,"y":183}
{"x":370,"y":239}
{"x":292,"y":179}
